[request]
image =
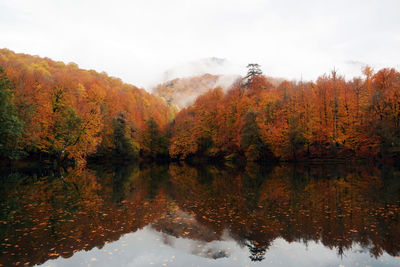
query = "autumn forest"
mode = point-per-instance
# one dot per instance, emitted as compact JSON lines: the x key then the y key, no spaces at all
{"x":55,"y":111}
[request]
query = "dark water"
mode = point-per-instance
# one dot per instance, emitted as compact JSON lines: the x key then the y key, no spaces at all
{"x":179,"y":215}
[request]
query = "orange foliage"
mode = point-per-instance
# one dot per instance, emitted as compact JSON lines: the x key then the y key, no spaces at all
{"x":72,"y":112}
{"x":69,"y":111}
{"x":329,"y":118}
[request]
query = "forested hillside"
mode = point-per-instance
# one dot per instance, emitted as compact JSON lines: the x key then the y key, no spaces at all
{"x":331,"y":118}
{"x":52,"y":109}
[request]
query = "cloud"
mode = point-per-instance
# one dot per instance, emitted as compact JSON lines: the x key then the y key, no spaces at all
{"x":138,"y":40}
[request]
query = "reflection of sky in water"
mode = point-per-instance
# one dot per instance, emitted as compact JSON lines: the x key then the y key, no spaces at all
{"x":147,"y":247}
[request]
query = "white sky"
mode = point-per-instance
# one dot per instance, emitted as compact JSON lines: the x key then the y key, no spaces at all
{"x":138,"y":40}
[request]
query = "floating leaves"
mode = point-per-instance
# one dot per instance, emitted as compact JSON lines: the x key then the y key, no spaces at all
{"x":48,"y":221}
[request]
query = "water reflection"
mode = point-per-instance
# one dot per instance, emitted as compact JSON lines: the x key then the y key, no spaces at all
{"x":201,"y":215}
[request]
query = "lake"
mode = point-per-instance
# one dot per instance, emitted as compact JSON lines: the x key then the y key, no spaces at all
{"x":180,"y":215}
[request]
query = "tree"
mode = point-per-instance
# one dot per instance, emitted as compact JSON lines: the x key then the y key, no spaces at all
{"x":123,"y":145}
{"x":10,"y":124}
{"x":253,"y":71}
{"x":296,"y":139}
{"x":384,"y":124}
{"x":250,"y":140}
{"x":154,"y":143}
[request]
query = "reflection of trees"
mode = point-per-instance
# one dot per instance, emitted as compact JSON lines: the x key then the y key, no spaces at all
{"x":335,"y":205}
{"x":117,"y":179}
{"x":257,"y":251}
{"x":58,"y":216}
{"x":48,"y":217}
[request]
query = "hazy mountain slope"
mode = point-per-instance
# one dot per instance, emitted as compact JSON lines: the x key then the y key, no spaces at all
{"x":183,"y":91}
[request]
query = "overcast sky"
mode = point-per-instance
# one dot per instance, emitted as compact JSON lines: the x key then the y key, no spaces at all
{"x":139,"y":39}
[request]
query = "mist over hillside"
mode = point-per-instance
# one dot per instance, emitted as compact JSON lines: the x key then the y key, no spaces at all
{"x":182,"y":84}
{"x":182,"y":92}
{"x":212,"y":65}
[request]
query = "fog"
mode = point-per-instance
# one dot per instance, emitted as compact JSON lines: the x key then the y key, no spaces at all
{"x":139,"y":41}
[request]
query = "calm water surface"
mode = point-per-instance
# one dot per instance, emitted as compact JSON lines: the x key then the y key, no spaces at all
{"x":178,"y":215}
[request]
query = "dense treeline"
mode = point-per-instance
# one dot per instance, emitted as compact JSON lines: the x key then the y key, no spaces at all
{"x":326,"y":119}
{"x":49,"y":109}
{"x":53,"y":110}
